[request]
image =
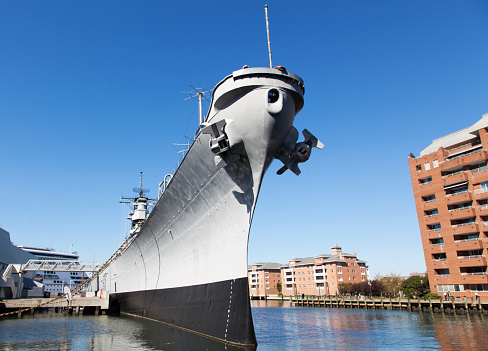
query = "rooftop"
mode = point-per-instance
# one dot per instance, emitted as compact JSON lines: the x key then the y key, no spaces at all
{"x":458,"y":137}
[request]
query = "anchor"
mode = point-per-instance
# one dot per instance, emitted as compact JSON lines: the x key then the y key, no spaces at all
{"x":226,"y":142}
{"x":293,"y":153}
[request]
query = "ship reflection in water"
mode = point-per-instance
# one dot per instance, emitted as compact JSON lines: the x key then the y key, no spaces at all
{"x":278,"y":327}
{"x":49,"y":331}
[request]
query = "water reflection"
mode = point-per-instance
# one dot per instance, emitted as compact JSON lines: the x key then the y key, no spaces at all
{"x":308,"y":328}
{"x":461,"y":332}
{"x":278,"y":326}
{"x":61,"y":332}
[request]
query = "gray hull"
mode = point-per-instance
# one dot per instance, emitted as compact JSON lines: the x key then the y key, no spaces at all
{"x":188,"y":265}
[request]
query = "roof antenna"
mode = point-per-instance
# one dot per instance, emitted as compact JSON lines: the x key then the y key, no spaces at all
{"x":269,"y":42}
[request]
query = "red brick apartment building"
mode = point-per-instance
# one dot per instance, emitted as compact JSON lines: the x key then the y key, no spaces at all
{"x":319,"y":275}
{"x":450,"y":186}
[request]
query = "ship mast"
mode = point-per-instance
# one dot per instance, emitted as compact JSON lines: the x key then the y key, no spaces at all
{"x":200,"y":94}
{"x":269,"y":41}
{"x":140,"y":204}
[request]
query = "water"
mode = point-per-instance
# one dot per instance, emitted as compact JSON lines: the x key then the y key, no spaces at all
{"x":277,"y":327}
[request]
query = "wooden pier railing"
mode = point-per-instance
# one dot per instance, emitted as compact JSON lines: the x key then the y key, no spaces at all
{"x":408,"y":304}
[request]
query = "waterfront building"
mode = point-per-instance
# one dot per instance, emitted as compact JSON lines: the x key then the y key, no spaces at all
{"x":264,"y":279}
{"x":450,"y":186}
{"x":11,"y":278}
{"x":55,"y":281}
{"x":318,"y":275}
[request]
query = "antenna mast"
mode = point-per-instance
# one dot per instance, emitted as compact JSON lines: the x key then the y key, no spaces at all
{"x":200,"y":94}
{"x":269,"y":42}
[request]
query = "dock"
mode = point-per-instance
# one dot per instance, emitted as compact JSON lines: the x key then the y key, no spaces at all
{"x":405,"y":304}
{"x":91,"y":304}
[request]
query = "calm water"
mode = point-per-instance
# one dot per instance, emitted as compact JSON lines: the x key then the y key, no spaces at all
{"x":277,"y":328}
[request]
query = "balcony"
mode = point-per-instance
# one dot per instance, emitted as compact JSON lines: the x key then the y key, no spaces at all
{"x":434,"y":234}
{"x":472,"y":261}
{"x":466,"y":228}
{"x":437,"y":248}
{"x":440,"y":264}
{"x":429,"y":188}
{"x":443,"y":275}
{"x":474,"y":278}
{"x":461,"y":148}
{"x":432,"y":219}
{"x":469,"y":244}
{"x":463,"y":197}
{"x":481,"y":193}
{"x":479,"y":177}
{"x":474,"y":157}
{"x":482,"y":210}
{"x":454,"y":178}
{"x":462,"y":213}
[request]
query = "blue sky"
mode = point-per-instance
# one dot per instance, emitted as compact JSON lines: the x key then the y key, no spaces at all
{"x":90,"y":95}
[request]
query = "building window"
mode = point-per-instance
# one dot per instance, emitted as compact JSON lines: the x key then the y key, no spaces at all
{"x":449,"y":288}
{"x":426,"y":166}
{"x":353,"y":278}
{"x":419,"y":168}
{"x":478,"y":287}
{"x":428,"y":198}
{"x":427,"y":180}
{"x":484,"y":187}
{"x":437,"y":241}
{"x":435,"y":163}
{"x":434,"y":227}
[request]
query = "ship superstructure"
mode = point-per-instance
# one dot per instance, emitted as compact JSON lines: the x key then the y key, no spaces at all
{"x":186,"y":263}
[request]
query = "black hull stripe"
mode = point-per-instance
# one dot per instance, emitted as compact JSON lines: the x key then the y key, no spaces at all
{"x":219,"y":310}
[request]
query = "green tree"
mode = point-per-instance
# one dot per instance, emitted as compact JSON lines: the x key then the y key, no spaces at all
{"x":416,"y":285}
{"x":278,"y":287}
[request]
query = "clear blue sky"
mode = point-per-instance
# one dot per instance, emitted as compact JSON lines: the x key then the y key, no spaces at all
{"x":90,"y":94}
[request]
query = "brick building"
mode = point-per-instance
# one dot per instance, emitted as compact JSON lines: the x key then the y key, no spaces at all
{"x":450,"y":185}
{"x":319,"y":275}
{"x":264,"y":279}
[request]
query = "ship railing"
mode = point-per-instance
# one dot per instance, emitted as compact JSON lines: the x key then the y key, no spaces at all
{"x":164,"y":184}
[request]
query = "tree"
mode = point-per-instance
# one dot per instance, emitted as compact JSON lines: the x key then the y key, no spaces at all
{"x":416,"y":285}
{"x":392,"y":283}
{"x":278,"y":287}
{"x":345,"y":288}
{"x":376,"y":287}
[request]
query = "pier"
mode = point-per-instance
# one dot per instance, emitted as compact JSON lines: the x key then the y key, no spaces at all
{"x":449,"y":306}
{"x":91,"y":304}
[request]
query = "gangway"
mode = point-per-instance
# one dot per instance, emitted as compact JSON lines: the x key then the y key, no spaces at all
{"x":61,"y":266}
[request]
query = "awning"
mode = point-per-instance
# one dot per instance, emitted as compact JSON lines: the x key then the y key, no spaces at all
{"x":455,"y":185}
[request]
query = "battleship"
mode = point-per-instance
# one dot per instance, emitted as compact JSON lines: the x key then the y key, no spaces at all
{"x":186,"y":261}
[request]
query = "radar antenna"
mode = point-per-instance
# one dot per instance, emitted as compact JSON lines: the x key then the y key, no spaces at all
{"x":200,"y":94}
{"x":142,"y":192}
